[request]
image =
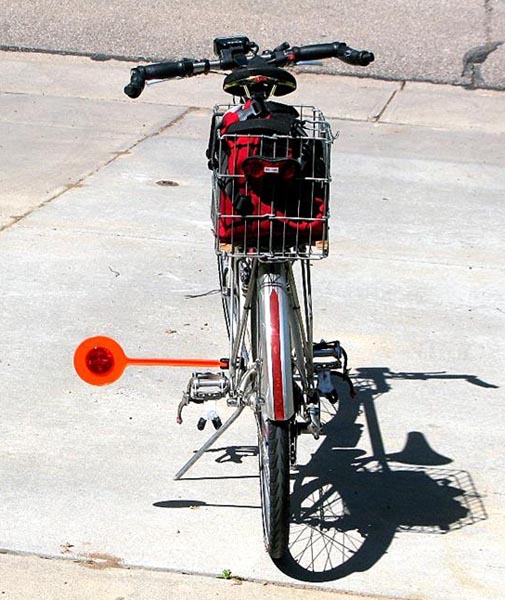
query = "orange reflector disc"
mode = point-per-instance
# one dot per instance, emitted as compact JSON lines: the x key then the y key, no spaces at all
{"x":99,"y":360}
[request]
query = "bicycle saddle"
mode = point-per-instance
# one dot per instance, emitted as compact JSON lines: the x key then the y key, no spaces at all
{"x":264,"y":79}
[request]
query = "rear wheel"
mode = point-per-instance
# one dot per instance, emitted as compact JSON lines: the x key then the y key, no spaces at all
{"x":271,"y":347}
{"x":273,"y":445}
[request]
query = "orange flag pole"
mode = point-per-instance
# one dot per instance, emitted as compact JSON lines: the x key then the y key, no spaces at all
{"x":100,"y":360}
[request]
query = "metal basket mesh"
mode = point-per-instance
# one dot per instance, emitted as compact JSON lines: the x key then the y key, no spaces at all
{"x":286,"y":221}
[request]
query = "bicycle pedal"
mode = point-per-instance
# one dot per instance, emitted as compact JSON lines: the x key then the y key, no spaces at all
{"x":324,"y":349}
{"x":207,"y":386}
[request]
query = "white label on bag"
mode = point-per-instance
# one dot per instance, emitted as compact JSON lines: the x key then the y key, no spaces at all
{"x":271,"y":169}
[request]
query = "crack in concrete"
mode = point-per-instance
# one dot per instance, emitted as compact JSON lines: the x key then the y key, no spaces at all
{"x":477,"y":56}
{"x":473,"y":59}
{"x":80,"y":181}
{"x":376,"y":118}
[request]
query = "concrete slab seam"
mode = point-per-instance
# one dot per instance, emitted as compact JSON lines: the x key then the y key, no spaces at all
{"x":115,"y":156}
{"x":127,"y":567}
{"x":388,"y":103}
{"x":98,"y":57}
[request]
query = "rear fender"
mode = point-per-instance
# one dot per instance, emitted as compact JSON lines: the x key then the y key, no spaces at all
{"x":274,"y":342}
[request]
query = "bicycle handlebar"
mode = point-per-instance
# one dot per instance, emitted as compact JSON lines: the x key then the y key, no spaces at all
{"x":282,"y":56}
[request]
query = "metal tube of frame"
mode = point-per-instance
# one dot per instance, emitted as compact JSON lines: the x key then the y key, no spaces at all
{"x":224,"y":300}
{"x":303,"y":353}
{"x":237,"y":341}
{"x":232,"y":307}
{"x":307,"y":301}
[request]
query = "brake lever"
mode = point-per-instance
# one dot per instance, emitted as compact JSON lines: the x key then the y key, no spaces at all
{"x":281,"y":47}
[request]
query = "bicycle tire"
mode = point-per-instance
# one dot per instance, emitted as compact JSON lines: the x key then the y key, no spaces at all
{"x":273,"y":435}
{"x":273,"y":446}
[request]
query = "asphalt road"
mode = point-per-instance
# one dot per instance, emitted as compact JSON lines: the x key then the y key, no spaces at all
{"x":413,"y":41}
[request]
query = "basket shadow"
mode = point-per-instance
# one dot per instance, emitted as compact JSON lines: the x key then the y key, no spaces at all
{"x":347,"y":507}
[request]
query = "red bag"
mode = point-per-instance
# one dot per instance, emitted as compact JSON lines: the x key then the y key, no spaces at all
{"x":269,"y":193}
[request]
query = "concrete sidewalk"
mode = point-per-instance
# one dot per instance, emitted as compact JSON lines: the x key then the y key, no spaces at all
{"x":73,"y":104}
{"x":89,"y":243}
{"x":25,"y":577}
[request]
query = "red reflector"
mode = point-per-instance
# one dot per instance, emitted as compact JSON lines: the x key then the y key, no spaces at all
{"x":100,"y":361}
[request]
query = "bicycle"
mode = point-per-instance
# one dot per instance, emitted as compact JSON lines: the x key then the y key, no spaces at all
{"x":270,"y":168}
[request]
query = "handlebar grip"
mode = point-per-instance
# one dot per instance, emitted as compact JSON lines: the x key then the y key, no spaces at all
{"x":336,"y":49}
{"x":139,"y":75}
{"x":314,"y":51}
{"x":361,"y":58}
{"x":180,"y":68}
{"x":137,"y":83}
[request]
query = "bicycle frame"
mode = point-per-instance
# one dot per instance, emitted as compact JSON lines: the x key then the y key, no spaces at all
{"x":265,"y":303}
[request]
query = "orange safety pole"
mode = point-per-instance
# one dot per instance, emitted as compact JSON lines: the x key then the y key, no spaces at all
{"x":100,"y":360}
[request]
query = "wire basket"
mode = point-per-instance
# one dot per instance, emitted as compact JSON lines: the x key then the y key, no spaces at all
{"x":283,"y":213}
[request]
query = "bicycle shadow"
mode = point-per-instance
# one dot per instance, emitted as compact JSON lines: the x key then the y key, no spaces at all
{"x":347,"y":507}
{"x":233,"y":454}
